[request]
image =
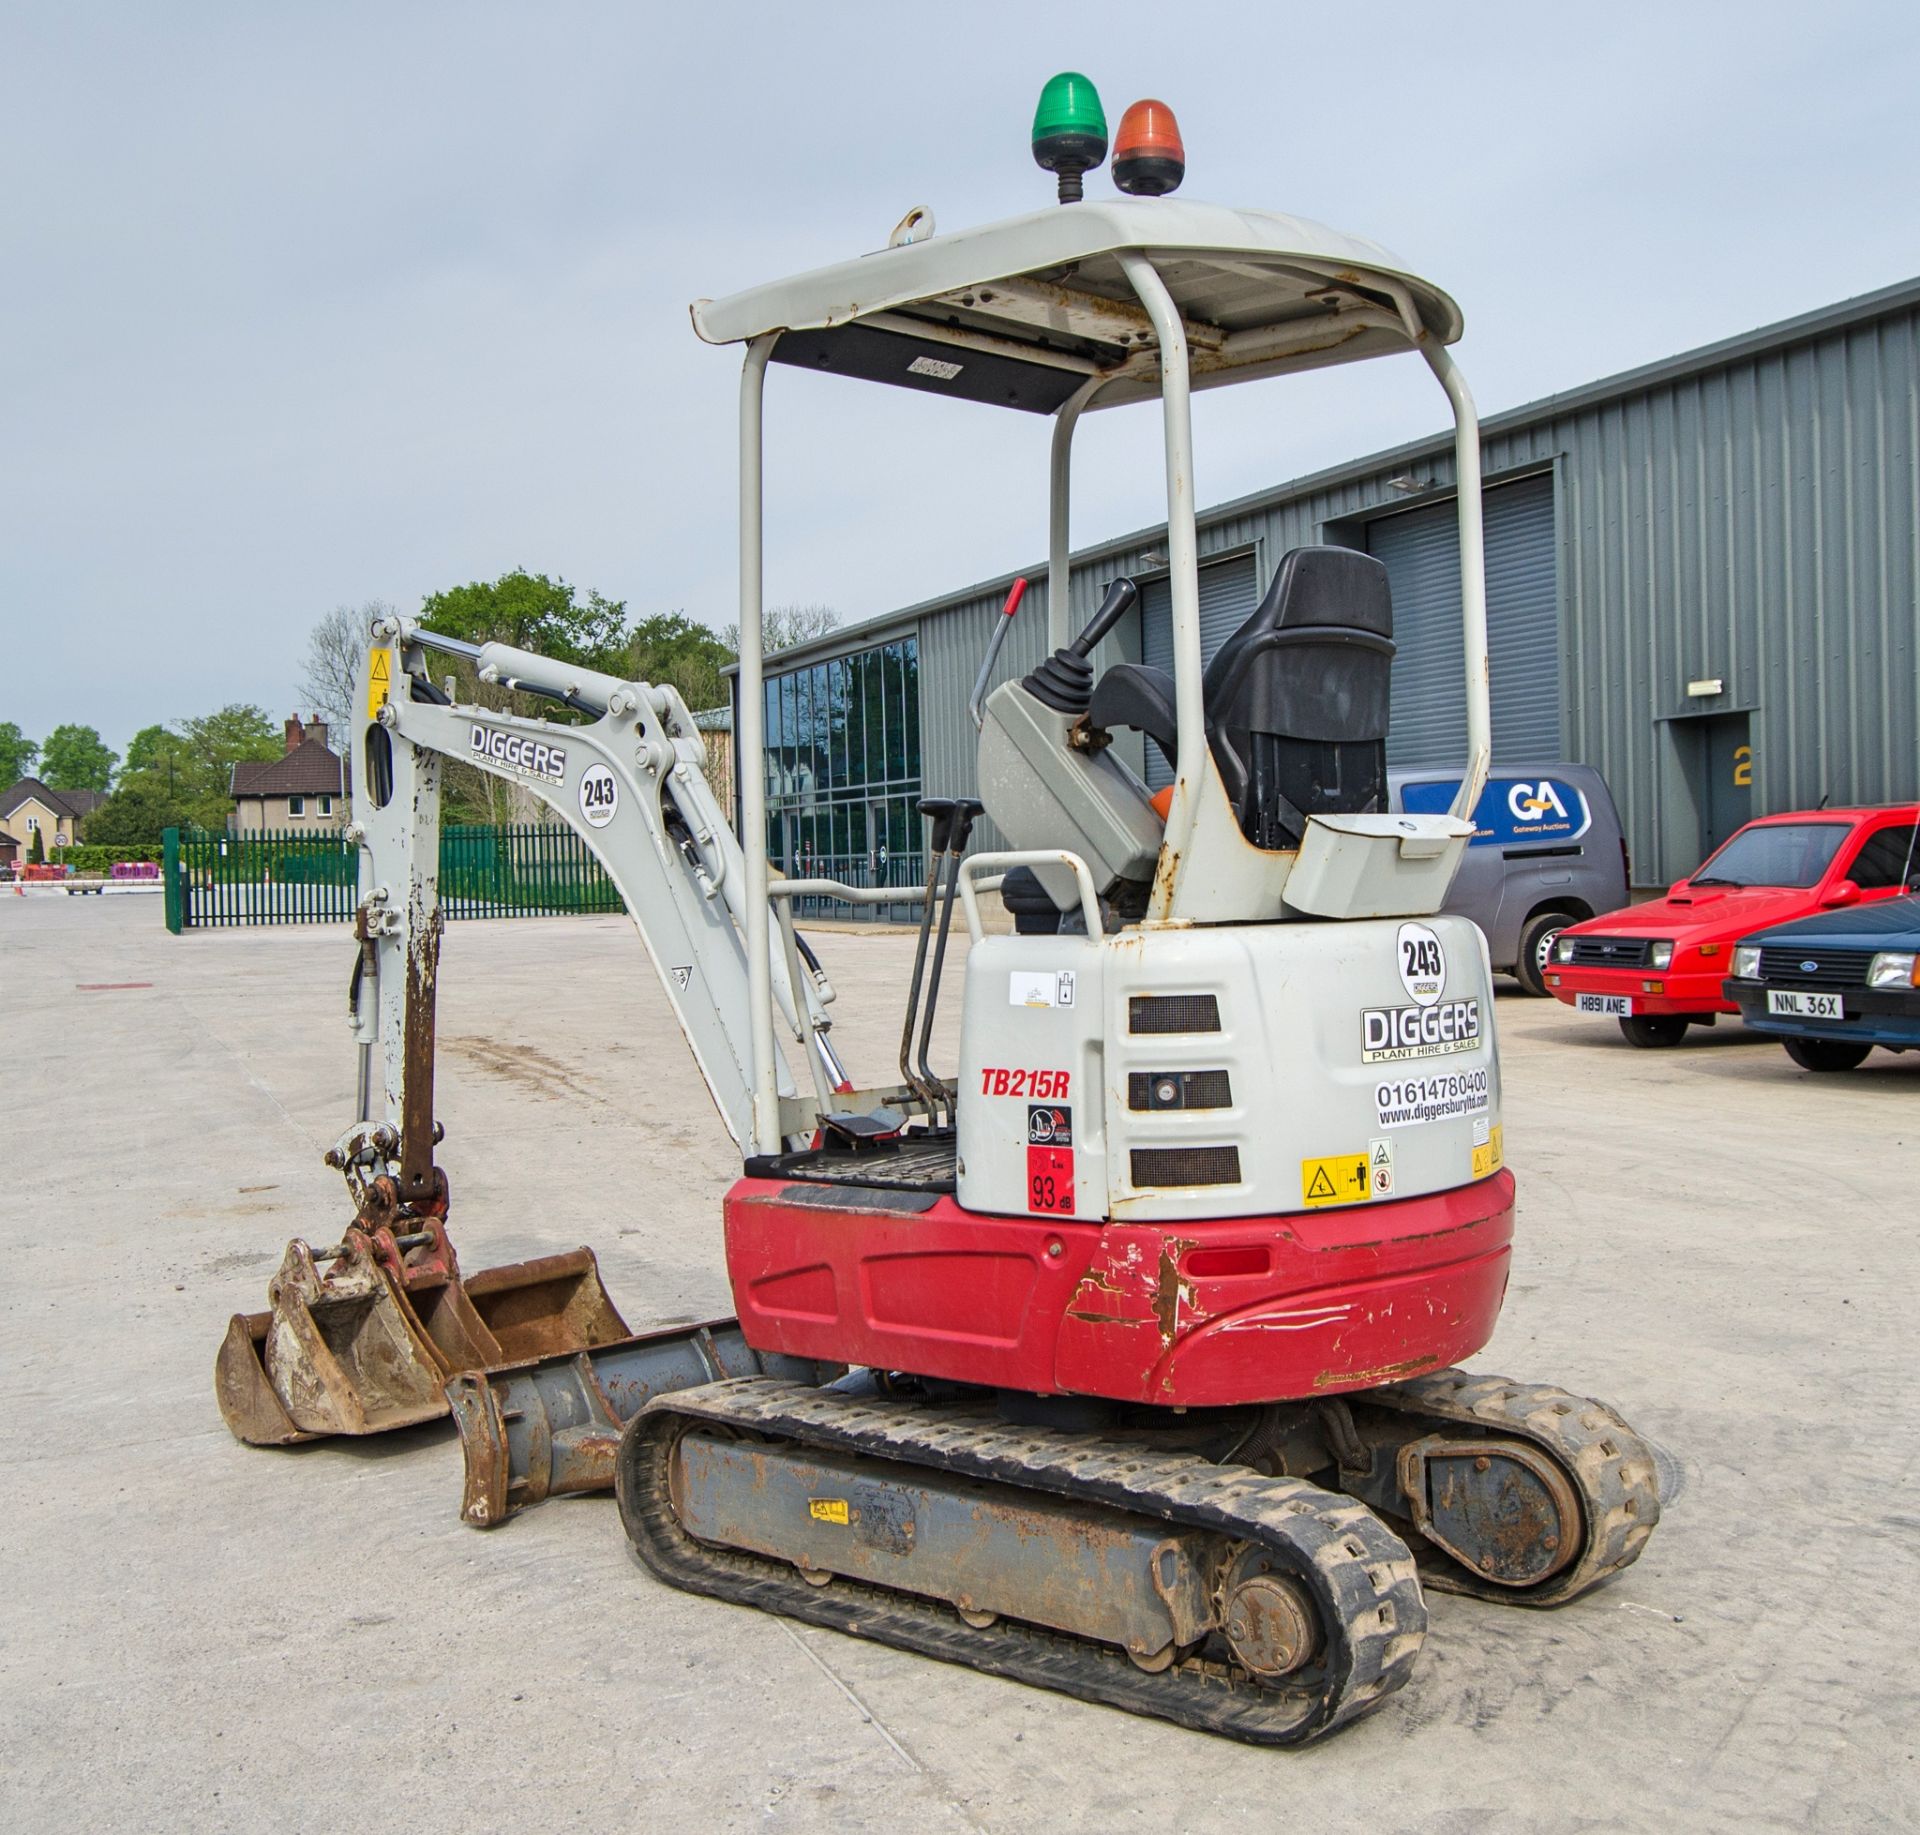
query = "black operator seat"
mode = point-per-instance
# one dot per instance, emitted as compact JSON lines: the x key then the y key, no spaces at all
{"x":1296,"y":700}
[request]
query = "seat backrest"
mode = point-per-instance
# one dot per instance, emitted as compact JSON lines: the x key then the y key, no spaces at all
{"x":1297,"y":699}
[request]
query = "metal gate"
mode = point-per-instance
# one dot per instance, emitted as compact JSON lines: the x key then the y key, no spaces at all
{"x":1421,"y":552}
{"x":216,"y":881}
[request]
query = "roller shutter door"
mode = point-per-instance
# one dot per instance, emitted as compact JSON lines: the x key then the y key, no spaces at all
{"x":1420,"y":549}
{"x":1228,"y":595}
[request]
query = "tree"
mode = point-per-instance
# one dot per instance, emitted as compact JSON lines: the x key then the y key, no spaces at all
{"x":535,"y":613}
{"x":212,"y":744}
{"x":152,"y":748}
{"x":36,"y":849}
{"x":139,"y":812}
{"x":334,"y":650}
{"x":670,"y":647}
{"x":783,"y":626}
{"x":76,"y":758}
{"x":181,"y":777}
{"x":17,"y":752}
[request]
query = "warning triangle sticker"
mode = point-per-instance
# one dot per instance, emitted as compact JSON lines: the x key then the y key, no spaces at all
{"x":379,"y":661}
{"x":1322,"y":1186}
{"x":1382,"y":1154}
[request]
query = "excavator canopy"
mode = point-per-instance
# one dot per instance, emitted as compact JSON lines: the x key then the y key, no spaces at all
{"x":1021,"y":313}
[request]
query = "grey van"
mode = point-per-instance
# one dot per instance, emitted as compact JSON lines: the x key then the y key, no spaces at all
{"x":1547,"y":851}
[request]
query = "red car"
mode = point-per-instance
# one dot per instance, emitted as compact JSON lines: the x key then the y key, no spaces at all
{"x":1657,"y":967}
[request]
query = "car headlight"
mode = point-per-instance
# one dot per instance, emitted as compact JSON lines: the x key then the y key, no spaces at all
{"x":1563,"y":948}
{"x":1892,"y":968}
{"x":1660,"y":956}
{"x":1746,"y":962}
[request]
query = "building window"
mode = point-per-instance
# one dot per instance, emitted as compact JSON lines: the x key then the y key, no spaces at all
{"x":296,"y":805}
{"x":326,"y":805}
{"x":33,"y":822}
{"x":843,"y":770}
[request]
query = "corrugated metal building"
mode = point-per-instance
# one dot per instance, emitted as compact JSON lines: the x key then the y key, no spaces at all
{"x":1702,"y":578}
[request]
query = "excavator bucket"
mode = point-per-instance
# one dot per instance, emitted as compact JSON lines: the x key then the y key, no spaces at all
{"x":369,"y":1345}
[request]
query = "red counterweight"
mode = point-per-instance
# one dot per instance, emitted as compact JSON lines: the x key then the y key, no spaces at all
{"x":1212,"y":1314}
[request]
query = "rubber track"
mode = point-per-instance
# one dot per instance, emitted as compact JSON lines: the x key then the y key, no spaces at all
{"x":1611,"y":1468}
{"x":1359,"y":1573}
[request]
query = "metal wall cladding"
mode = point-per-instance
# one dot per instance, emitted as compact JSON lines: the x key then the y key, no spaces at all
{"x":1749,"y":512}
{"x":1229,"y":595}
{"x":1421,"y":552}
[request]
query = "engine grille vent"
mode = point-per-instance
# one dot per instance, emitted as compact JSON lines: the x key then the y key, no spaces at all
{"x":1186,"y":1166}
{"x":1831,"y":968}
{"x":1163,"y":1013}
{"x":1610,"y":952}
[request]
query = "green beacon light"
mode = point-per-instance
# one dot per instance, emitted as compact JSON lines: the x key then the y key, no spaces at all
{"x":1069,"y":131}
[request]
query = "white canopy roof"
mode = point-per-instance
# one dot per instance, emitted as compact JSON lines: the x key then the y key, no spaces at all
{"x":1020,"y":313}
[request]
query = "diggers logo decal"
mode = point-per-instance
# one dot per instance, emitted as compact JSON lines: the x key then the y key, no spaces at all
{"x":1388,"y":1034}
{"x":533,"y":756}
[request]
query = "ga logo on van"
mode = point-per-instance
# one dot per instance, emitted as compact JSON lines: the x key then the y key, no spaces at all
{"x":1512,"y":812}
{"x":1529,"y":802}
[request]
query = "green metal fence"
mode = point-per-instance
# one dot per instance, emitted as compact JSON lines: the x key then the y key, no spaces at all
{"x":272,"y":876}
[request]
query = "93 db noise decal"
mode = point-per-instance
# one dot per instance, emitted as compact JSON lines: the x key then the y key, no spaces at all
{"x":1049,"y":1157}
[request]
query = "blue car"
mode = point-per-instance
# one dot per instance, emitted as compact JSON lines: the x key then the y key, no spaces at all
{"x":1832,"y":987}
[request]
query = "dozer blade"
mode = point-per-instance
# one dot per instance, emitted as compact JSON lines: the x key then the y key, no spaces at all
{"x":550,"y":1427}
{"x":369,"y":1345}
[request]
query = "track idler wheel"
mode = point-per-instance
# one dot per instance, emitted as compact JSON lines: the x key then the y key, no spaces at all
{"x":1517,"y":1492}
{"x":1498,"y":1507}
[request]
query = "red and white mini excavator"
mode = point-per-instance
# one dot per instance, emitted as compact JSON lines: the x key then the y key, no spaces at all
{"x":1119,"y":1358}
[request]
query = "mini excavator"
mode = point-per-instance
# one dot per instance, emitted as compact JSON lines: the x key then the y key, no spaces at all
{"x":1122,"y":1358}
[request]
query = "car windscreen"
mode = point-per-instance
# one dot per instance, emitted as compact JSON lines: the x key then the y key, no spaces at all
{"x":1778,"y":854}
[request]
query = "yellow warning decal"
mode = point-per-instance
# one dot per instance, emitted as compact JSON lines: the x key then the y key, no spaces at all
{"x":827,"y":1509}
{"x":1488,"y":1158}
{"x":379,"y":681}
{"x":1344,"y":1179}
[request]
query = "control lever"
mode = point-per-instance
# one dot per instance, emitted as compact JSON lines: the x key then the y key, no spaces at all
{"x":1064,"y":681}
{"x":939,"y":813}
{"x":965,"y":811}
{"x":1002,"y":625}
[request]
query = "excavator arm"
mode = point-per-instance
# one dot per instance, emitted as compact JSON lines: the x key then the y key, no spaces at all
{"x":630,"y":783}
{"x":370,"y":1342}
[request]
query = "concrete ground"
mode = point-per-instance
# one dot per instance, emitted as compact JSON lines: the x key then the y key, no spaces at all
{"x":197,"y":1634}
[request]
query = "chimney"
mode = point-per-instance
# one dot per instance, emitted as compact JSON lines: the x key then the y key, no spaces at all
{"x":296,"y":733}
{"x":317,"y":731}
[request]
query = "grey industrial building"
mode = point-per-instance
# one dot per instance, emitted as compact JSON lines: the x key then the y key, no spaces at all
{"x":1702,"y":578}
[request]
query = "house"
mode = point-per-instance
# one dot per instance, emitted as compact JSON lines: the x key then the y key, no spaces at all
{"x":57,"y":816}
{"x":305,"y":787}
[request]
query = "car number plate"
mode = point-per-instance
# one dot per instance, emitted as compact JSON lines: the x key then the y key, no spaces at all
{"x":1619,"y":1005}
{"x":1805,"y":1006}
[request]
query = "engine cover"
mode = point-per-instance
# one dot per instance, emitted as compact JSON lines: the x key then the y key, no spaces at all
{"x":1227,"y":1071}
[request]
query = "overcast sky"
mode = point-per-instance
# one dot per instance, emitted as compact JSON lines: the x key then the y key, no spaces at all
{"x":307,"y":305}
